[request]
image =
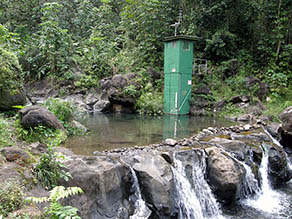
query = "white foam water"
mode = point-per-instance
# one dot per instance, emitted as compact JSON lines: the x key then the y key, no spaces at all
{"x":250,"y":184}
{"x":141,"y":209}
{"x":195,"y":200}
{"x":267,"y":199}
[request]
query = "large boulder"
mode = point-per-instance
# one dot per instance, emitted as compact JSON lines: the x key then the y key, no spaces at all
{"x":40,"y":91}
{"x":156,"y":183}
{"x":79,"y":102}
{"x":200,"y":107}
{"x":106,"y":185}
{"x":102,"y":106}
{"x":115,"y":87}
{"x":278,"y":170}
{"x":273,"y":129}
{"x":119,"y":81}
{"x":154,"y":74}
{"x":285,"y":130}
{"x":92,"y":97}
{"x":10,"y":99}
{"x":224,"y":174}
{"x":33,"y":116}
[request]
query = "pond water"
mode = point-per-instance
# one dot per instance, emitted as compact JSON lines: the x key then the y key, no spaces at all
{"x":110,"y":131}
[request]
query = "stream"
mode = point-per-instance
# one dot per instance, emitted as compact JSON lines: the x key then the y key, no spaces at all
{"x":115,"y":131}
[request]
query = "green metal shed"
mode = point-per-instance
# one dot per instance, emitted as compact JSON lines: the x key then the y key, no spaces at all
{"x":178,"y":67}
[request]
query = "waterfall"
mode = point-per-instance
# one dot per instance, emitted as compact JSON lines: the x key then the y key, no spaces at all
{"x":141,"y":210}
{"x":267,"y":199}
{"x":250,"y":184}
{"x":197,"y":201}
{"x":275,"y":141}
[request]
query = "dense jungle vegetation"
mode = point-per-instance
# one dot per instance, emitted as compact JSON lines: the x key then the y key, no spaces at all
{"x":79,"y":42}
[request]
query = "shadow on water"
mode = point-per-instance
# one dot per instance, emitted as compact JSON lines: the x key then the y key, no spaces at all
{"x":111,"y":131}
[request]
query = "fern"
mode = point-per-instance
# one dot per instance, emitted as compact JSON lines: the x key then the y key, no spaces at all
{"x":56,"y":210}
{"x":60,"y":192}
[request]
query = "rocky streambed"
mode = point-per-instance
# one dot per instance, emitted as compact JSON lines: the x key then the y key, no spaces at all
{"x":205,"y":176}
{"x":228,"y":160}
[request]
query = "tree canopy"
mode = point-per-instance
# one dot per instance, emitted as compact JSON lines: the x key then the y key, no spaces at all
{"x":100,"y":38}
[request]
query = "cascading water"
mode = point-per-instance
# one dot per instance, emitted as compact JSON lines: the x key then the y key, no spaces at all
{"x":197,"y":201}
{"x":141,"y":210}
{"x":267,"y":199}
{"x":275,"y":141}
{"x":250,"y":184}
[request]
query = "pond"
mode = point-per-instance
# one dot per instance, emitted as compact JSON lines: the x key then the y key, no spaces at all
{"x":110,"y":131}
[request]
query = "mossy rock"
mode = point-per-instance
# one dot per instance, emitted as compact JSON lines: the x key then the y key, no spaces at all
{"x":9,"y":99}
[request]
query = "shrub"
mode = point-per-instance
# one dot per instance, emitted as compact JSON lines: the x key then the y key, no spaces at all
{"x":87,"y":81}
{"x":41,"y":134}
{"x":50,"y":169}
{"x":9,"y":70}
{"x":150,"y":103}
{"x":11,"y":198}
{"x":231,"y":109}
{"x":63,"y":110}
{"x":132,"y":91}
{"x":221,"y":46}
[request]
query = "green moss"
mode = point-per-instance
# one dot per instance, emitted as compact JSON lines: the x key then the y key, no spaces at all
{"x":207,"y":138}
{"x":224,"y":136}
{"x":32,"y":159}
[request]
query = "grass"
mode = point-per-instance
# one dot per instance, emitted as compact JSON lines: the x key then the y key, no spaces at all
{"x":5,"y":132}
{"x":276,"y":107}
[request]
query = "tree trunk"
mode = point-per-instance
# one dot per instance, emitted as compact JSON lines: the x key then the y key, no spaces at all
{"x":289,"y":40}
{"x":279,"y":41}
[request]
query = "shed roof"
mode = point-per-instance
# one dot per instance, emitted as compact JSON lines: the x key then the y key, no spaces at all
{"x":181,"y":37}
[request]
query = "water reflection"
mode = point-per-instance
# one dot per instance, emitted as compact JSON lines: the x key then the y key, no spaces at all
{"x":109,"y":131}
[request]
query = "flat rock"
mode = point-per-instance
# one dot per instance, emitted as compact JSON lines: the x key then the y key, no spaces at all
{"x":170,"y":142}
{"x":14,"y":153}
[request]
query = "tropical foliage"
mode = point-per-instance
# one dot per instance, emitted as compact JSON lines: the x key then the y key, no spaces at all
{"x":55,"y":209}
{"x":11,"y":198}
{"x":80,"y":42}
